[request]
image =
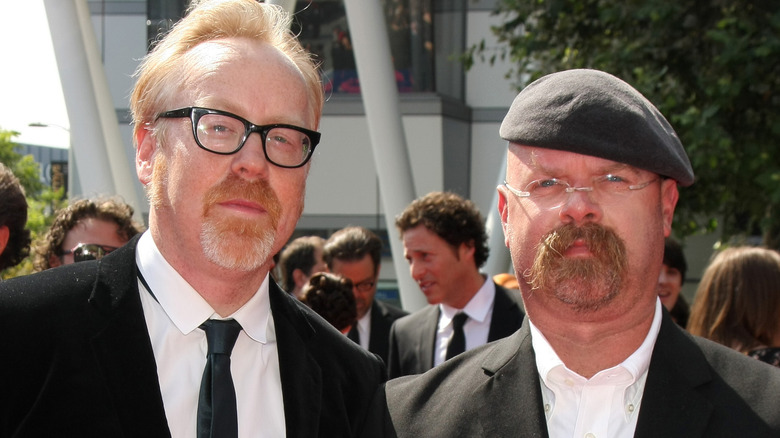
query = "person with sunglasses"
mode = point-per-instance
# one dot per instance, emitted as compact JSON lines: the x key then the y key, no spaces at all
{"x":87,"y":229}
{"x":182,"y":332}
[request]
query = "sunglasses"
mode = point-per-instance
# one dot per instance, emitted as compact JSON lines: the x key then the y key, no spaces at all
{"x":89,"y":251}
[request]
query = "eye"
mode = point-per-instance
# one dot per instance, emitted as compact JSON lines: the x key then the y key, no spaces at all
{"x":547,"y":182}
{"x":614,"y":178}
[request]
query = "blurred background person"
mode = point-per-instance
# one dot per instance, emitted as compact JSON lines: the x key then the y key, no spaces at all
{"x":737,"y":303}
{"x":301,"y":259}
{"x":87,"y":229}
{"x":331,"y":297}
{"x":355,"y":253}
{"x":670,"y":282}
{"x":14,"y":236}
{"x":445,"y":243}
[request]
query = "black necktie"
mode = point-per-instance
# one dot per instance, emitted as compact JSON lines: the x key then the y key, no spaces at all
{"x":458,"y":341}
{"x":354,"y":334}
{"x":217,"y":413}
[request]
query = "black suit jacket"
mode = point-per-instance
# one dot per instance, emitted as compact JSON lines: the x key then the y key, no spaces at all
{"x":382,"y":317}
{"x":413,"y":338}
{"x":77,"y":359}
{"x":695,"y":388}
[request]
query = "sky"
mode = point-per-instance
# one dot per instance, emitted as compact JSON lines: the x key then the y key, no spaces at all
{"x":30,"y":89}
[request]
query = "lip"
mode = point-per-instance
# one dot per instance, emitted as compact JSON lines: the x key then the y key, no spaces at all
{"x":578,"y":249}
{"x":425,"y":286}
{"x":243,"y":206}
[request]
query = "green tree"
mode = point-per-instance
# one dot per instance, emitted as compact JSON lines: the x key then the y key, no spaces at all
{"x":711,"y":66}
{"x":42,"y":201}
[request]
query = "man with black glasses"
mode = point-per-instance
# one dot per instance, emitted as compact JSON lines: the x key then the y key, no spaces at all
{"x":355,"y":253}
{"x":182,"y":332}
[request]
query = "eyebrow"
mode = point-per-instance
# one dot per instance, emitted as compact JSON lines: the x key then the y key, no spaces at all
{"x":536,"y":166}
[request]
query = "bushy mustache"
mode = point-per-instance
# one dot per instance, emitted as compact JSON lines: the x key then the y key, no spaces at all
{"x":550,"y":266}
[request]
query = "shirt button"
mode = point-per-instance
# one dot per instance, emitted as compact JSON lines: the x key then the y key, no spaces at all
{"x":630,"y":408}
{"x":590,"y":435}
{"x":547,"y":407}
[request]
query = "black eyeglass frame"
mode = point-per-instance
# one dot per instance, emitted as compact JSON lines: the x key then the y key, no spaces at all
{"x":194,"y":113}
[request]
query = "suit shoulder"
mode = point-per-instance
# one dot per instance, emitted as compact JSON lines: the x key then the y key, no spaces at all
{"x":50,"y":289}
{"x":389,"y":311}
{"x":412,"y":320}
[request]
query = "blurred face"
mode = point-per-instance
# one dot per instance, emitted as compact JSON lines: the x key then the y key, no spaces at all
{"x":319,"y":264}
{"x":669,"y":285}
{"x":363,"y":277}
{"x":232,"y":211}
{"x":89,"y":230}
{"x":590,"y":252}
{"x":437,"y":267}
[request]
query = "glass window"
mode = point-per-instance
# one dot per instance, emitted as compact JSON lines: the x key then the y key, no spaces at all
{"x":322,"y":26}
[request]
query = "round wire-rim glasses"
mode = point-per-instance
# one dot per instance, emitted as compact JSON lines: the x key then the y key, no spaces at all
{"x":225,"y":133}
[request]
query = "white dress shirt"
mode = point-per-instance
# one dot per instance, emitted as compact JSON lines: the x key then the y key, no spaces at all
{"x":173,"y":311}
{"x":364,"y":329}
{"x":604,"y":406}
{"x":477,"y":327}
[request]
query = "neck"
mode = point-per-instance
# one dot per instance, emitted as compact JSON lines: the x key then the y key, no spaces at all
{"x":470,"y":285}
{"x":589,"y":343}
{"x":226,"y":290}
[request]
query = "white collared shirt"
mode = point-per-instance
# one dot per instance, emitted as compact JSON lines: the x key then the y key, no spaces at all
{"x":607,"y":404}
{"x":173,"y":312}
{"x":364,"y":329}
{"x":477,"y":327}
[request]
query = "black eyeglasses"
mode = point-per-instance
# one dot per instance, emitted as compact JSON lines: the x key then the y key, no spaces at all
{"x":224,"y":133}
{"x":89,"y":251}
{"x":364,"y":286}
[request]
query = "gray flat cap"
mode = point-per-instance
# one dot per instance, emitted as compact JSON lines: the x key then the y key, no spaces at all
{"x":594,"y":113}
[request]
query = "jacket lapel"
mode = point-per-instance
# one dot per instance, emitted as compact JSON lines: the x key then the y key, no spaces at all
{"x":512,"y":385}
{"x":300,"y":374}
{"x":507,"y":315}
{"x":122,"y":347}
{"x":426,"y":338}
{"x":671,"y":404}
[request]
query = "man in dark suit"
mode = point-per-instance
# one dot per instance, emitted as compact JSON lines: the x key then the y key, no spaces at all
{"x":446,"y":244}
{"x":182,"y":332}
{"x":356,"y":253}
{"x":590,"y":191}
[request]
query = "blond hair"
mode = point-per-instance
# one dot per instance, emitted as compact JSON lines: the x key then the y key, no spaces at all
{"x":737,"y":303}
{"x":159,"y":73}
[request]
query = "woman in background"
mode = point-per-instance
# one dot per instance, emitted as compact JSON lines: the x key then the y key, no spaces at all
{"x":737,"y":303}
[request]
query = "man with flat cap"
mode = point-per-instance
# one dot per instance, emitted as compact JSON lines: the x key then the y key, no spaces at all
{"x":591,"y":186}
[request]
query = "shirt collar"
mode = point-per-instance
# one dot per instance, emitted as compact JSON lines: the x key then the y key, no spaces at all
{"x":637,"y":363}
{"x":551,"y":368}
{"x":365,"y":322}
{"x":184,"y":305}
{"x":478,"y":308}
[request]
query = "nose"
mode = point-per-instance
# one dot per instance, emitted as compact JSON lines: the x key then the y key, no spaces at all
{"x":580,"y":208}
{"x":415,"y":269}
{"x":250,"y":162}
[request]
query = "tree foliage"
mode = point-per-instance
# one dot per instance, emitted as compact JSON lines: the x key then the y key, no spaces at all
{"x":42,"y":201}
{"x":711,"y":66}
